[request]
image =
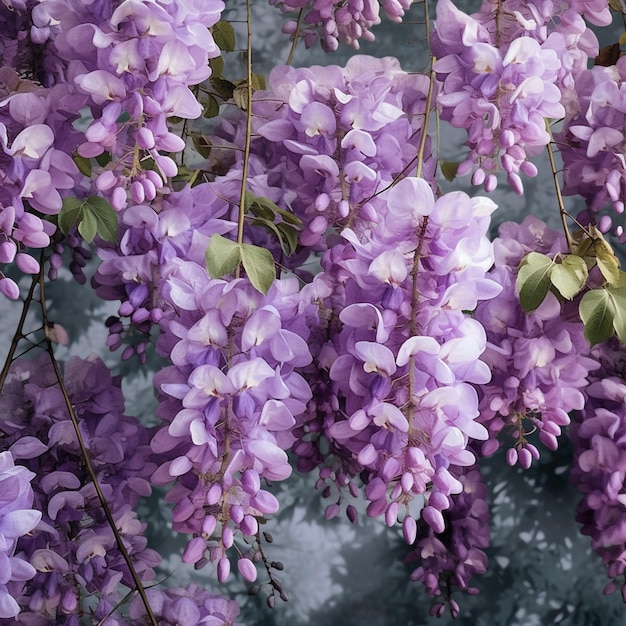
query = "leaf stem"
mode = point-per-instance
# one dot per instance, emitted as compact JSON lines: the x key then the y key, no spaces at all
{"x":296,"y":35}
{"x":559,"y":197}
{"x":246,"y":152}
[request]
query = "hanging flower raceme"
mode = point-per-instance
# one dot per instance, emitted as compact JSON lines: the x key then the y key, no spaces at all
{"x":228,"y":404}
{"x":505,"y":71}
{"x":73,"y":550}
{"x":598,"y":434}
{"x":540,"y":361}
{"x":592,"y":145}
{"x":402,"y":353}
{"x":36,"y":171}
{"x":447,"y":561}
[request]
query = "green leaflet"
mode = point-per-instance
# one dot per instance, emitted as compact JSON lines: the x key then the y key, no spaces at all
{"x":223,"y":256}
{"x":570,"y":276}
{"x":597,"y":311}
{"x":533,"y":280}
{"x":93,"y":216}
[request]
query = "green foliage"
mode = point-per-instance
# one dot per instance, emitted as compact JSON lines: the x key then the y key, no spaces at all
{"x":92,"y":216}
{"x":533,"y":280}
{"x":283,"y":224}
{"x":602,"y":309}
{"x":597,"y":313}
{"x":223,"y":256}
{"x":449,"y":169}
{"x":259,"y":266}
{"x":570,"y":276}
{"x":83,"y":164}
{"x":224,"y":36}
{"x":607,"y":261}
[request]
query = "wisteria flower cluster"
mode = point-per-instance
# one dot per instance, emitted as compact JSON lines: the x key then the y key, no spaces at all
{"x":133,"y":64}
{"x":592,"y":145}
{"x":228,"y":404}
{"x":73,"y":549}
{"x":35,"y":168}
{"x":597,"y":433}
{"x":333,"y":22}
{"x":17,"y":518}
{"x":449,"y":560}
{"x":505,"y":70}
{"x":539,"y":361}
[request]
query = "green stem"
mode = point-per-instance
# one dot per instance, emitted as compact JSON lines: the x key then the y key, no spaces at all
{"x":296,"y":35}
{"x":559,"y":199}
{"x":246,"y":152}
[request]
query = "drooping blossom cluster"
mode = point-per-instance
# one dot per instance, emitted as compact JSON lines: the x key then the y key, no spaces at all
{"x":505,"y":70}
{"x":17,"y":518}
{"x":598,"y":433}
{"x":228,"y":404}
{"x":592,"y":145}
{"x":401,"y":352}
{"x":333,"y":22}
{"x":539,"y":361}
{"x":392,"y":369}
{"x":73,"y":549}
{"x":331,"y":138}
{"x":133,"y":64}
{"x":174,"y":226}
{"x":447,"y":561}
{"x":35,"y":170}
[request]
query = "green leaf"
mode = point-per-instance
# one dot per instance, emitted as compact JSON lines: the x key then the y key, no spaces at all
{"x":288,"y":239}
{"x":258,"y":81}
{"x":223,"y":88}
{"x":240,"y":96}
{"x":222,"y":256}
{"x":224,"y":36}
{"x":597,"y":311}
{"x":533,"y":280}
{"x":264,"y":207}
{"x":217,"y":66}
{"x":105,"y":216}
{"x":211,"y":107}
{"x":201,"y":144}
{"x":607,"y":261}
{"x":617,"y":293}
{"x":570,"y":276}
{"x":88,"y":226}
{"x":103,"y":159}
{"x":449,"y":169}
{"x":83,"y":164}
{"x":259,"y":265}
{"x":71,"y":214}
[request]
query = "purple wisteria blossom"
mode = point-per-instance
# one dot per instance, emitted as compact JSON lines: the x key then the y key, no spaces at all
{"x":540,"y":361}
{"x":17,"y":518}
{"x":333,"y":22}
{"x":505,"y":70}
{"x":599,"y":468}
{"x":72,"y":549}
